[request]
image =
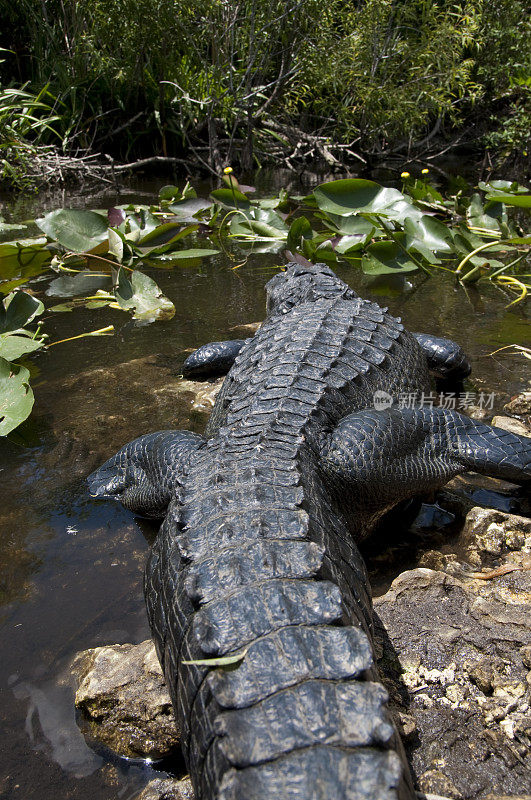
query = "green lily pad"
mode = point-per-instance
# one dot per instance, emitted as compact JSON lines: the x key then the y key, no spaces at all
{"x":353,"y":225}
{"x":231,"y":198}
{"x":384,"y":258}
{"x":141,"y":295}
{"x":15,"y":345}
{"x":85,"y":282}
{"x":76,"y":229}
{"x":181,"y":255}
{"x":492,"y":216}
{"x":433,"y":233}
{"x":165,"y":233}
{"x":17,"y":310}
{"x":300,"y":229}
{"x":16,"y":396}
{"x":350,"y":195}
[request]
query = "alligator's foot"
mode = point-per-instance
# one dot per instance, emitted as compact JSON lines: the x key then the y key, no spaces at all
{"x":215,"y":358}
{"x":145,"y":474}
{"x":387,"y":456}
{"x":446,"y":359}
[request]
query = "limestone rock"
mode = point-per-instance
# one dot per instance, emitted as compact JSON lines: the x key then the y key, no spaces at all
{"x":125,"y":701}
{"x":520,"y":404}
{"x":488,"y":532}
{"x":167,"y":789}
{"x":453,"y":652}
{"x":511,"y":424}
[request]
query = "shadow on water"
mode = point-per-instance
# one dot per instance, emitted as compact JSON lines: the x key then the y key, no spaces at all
{"x":71,"y":570}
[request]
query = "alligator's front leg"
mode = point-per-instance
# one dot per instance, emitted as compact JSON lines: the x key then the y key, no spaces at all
{"x":145,"y":474}
{"x":215,"y":358}
{"x":384,"y":457}
{"x":446,"y":359}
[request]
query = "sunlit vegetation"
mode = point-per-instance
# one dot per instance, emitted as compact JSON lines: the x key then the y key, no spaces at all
{"x":93,"y":259}
{"x":267,"y":80}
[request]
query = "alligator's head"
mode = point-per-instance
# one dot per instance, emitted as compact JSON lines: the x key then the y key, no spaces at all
{"x":301,"y":283}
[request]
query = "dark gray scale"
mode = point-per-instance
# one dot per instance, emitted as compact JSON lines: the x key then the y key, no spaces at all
{"x":445,"y":358}
{"x":302,"y":653}
{"x":215,"y":358}
{"x":319,"y":773}
{"x":258,"y":549}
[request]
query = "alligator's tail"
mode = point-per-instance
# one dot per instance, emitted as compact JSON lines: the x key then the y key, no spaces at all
{"x":299,"y":714}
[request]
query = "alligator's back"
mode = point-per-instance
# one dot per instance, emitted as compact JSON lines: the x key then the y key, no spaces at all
{"x":256,"y":557}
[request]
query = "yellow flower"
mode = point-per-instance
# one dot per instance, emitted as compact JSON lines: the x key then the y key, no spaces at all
{"x":404,"y":174}
{"x":227,"y":170}
{"x":425,"y":171}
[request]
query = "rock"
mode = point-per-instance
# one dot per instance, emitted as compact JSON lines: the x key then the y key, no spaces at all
{"x":125,"y":701}
{"x":435,"y":782}
{"x":525,"y":652}
{"x":452,"y":656}
{"x":488,"y":532}
{"x":512,"y":425}
{"x":167,"y":789}
{"x":466,"y":491}
{"x":520,"y":404}
{"x":247,"y":329}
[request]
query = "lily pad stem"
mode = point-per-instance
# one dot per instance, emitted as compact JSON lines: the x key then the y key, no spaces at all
{"x":484,"y":246}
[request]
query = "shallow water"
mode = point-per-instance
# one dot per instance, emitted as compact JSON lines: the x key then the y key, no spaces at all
{"x":71,"y":569}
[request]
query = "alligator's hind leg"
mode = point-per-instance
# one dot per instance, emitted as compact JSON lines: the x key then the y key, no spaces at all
{"x":145,"y":474}
{"x":215,"y":358}
{"x":393,"y":454}
{"x":446,"y":359}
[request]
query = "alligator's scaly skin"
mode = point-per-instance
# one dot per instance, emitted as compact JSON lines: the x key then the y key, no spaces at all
{"x":257,"y":552}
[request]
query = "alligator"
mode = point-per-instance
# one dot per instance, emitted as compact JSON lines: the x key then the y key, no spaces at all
{"x":257,"y":595}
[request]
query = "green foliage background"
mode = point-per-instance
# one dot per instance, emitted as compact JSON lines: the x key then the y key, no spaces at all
{"x":173,"y":77}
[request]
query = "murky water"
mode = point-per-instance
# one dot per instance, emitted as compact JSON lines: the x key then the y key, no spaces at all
{"x":71,"y":569}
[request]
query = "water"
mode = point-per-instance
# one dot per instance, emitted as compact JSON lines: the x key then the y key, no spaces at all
{"x":71,"y":569}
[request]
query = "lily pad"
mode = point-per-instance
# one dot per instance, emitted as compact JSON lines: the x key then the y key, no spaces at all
{"x":433,"y":234}
{"x":15,"y":345}
{"x":18,"y":310}
{"x":384,"y":258}
{"x":85,"y":282}
{"x":16,"y":396}
{"x":141,"y":295}
{"x":350,"y":195}
{"x":231,"y":198}
{"x":74,"y":228}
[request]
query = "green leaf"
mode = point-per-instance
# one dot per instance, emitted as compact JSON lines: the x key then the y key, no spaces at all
{"x":6,"y":226}
{"x":76,"y":229}
{"x":353,"y":225}
{"x":116,"y":245}
{"x":433,"y":233}
{"x":300,"y":229}
{"x":18,"y":310}
{"x":351,"y":244}
{"x":261,"y":224}
{"x":353,"y":195}
{"x":222,"y":661}
{"x":518,"y":200}
{"x":84,"y":282}
{"x":178,"y":255}
{"x":166,"y":233}
{"x":15,"y":345}
{"x":189,"y":208}
{"x":16,"y":396}
{"x":384,"y":258}
{"x":231,"y":198}
{"x":142,"y":296}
